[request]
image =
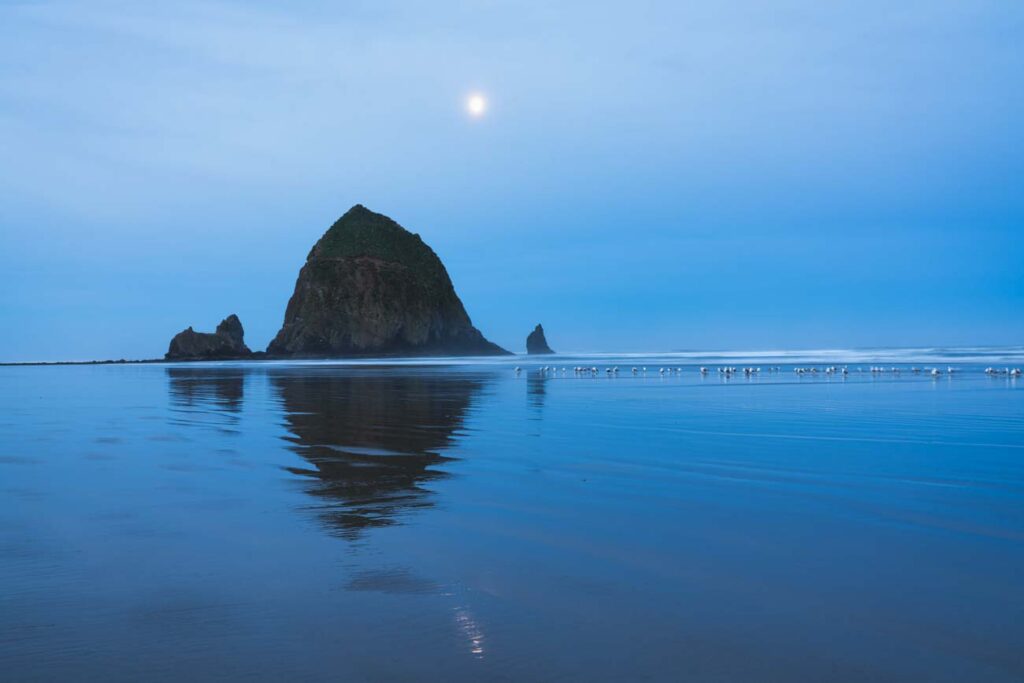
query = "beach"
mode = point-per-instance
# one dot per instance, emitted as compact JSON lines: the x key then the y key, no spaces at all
{"x":452,"y":519}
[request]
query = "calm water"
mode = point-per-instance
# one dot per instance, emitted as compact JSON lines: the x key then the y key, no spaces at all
{"x":455,"y":522}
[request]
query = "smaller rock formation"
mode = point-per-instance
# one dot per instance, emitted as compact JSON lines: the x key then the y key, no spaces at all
{"x":536,"y":343}
{"x":226,"y":343}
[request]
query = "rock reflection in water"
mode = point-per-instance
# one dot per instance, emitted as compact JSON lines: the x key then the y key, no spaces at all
{"x":373,"y":440}
{"x":219,"y":388}
{"x":206,"y":397}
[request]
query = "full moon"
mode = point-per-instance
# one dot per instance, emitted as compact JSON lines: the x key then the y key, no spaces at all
{"x":476,"y":105}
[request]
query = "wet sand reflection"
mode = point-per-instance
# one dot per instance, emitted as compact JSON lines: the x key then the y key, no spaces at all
{"x":220,"y":388}
{"x":373,"y":440}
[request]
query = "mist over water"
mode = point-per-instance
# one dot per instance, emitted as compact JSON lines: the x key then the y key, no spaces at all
{"x":454,"y":520}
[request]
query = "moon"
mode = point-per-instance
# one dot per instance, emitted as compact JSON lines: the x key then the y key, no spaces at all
{"x":476,"y":105}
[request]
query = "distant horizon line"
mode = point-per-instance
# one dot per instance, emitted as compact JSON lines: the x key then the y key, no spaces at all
{"x":693,"y":353}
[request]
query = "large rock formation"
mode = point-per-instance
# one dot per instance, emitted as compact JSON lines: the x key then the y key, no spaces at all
{"x":227,"y":342}
{"x":536,"y":343}
{"x":370,"y":287}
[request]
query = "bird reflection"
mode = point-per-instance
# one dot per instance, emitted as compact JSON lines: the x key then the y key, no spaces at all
{"x":373,"y":440}
{"x":536,"y":389}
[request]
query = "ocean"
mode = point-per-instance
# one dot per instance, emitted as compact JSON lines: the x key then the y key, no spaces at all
{"x":456,"y":520}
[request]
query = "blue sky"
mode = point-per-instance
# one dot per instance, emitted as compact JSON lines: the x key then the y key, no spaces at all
{"x":649,"y":175}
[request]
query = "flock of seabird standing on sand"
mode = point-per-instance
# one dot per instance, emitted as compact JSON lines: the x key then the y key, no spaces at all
{"x":728,"y":371}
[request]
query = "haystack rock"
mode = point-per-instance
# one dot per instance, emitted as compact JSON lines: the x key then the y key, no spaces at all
{"x":227,"y":342}
{"x":371,"y":287}
{"x":536,"y":343}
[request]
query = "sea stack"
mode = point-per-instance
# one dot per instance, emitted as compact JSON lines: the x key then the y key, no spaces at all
{"x":536,"y":343}
{"x":227,"y":342}
{"x":370,"y":287}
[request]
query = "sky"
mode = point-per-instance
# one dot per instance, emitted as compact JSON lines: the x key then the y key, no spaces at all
{"x":648,"y":176}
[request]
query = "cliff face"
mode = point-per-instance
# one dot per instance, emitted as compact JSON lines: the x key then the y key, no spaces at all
{"x":226,"y":342}
{"x":370,"y":287}
{"x":536,"y":343}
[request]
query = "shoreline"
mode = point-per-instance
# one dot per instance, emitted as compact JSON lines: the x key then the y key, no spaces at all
{"x":974,"y":355}
{"x":254,"y":358}
{"x":122,"y":361}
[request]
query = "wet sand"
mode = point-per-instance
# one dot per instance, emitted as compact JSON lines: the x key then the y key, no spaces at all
{"x":456,"y":521}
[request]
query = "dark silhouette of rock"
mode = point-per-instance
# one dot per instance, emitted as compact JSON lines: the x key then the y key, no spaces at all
{"x":371,"y":287}
{"x":536,"y":343}
{"x":226,"y":343}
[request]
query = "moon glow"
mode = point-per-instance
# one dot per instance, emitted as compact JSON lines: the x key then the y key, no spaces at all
{"x":476,"y":105}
